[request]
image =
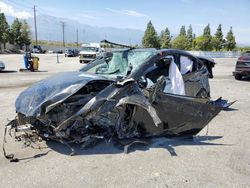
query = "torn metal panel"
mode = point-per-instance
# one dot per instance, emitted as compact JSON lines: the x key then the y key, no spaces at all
{"x":174,"y":111}
{"x":46,"y":94}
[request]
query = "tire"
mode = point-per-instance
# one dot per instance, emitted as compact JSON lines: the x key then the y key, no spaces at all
{"x":238,"y":77}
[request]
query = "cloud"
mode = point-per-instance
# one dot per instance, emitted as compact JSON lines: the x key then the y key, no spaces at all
{"x":128,"y":13}
{"x":9,"y":10}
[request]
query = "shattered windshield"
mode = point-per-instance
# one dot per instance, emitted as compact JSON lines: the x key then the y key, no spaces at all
{"x":89,"y":49}
{"x":119,"y":63}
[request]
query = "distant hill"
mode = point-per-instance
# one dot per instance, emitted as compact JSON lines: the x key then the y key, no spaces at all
{"x":50,"y":28}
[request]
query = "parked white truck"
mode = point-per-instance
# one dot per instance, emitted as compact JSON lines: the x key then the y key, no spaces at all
{"x":89,"y":52}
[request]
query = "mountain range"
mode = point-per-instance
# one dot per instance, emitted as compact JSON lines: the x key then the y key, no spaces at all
{"x":50,"y":28}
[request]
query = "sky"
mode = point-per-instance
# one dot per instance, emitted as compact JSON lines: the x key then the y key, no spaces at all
{"x":136,"y":14}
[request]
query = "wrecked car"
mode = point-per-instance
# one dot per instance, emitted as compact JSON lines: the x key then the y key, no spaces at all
{"x":127,"y":93}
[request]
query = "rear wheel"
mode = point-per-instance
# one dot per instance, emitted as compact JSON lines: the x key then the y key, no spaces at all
{"x":238,"y":77}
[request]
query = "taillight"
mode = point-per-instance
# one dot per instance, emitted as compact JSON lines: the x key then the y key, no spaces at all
{"x":244,"y":58}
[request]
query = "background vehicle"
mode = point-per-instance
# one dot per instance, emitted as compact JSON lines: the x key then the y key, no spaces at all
{"x":38,"y":49}
{"x":242,"y":67}
{"x":70,"y":52}
{"x":59,"y":51}
{"x":89,"y":52}
{"x":2,"y":66}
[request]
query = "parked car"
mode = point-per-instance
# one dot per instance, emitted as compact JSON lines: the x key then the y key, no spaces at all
{"x":50,"y":51}
{"x":2,"y":66}
{"x":59,"y":51}
{"x":38,"y":49}
{"x":70,"y":52}
{"x":123,"y":94}
{"x":242,"y":67}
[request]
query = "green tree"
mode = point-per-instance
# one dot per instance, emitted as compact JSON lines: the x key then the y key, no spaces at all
{"x":230,"y":40}
{"x":207,"y":39}
{"x":4,"y":30}
{"x":180,"y":42}
{"x":25,"y":34}
{"x":15,"y":33}
{"x":218,"y":39}
{"x":190,"y":37}
{"x":165,"y":38}
{"x":183,"y":31}
{"x":199,"y":43}
{"x":150,"y":38}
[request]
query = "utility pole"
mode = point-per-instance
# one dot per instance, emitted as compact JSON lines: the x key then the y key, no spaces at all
{"x":83,"y":31}
{"x":77,"y":38}
{"x":63,"y":26}
{"x":35,"y":22}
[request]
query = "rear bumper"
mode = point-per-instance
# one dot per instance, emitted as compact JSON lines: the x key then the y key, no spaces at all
{"x":243,"y":72}
{"x":242,"y":68}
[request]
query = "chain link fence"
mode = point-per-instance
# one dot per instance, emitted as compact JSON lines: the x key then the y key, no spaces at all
{"x":216,"y":54}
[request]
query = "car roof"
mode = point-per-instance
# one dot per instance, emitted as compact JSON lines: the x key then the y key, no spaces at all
{"x":135,"y":49}
{"x":173,"y":50}
{"x":157,"y":51}
{"x":152,"y":50}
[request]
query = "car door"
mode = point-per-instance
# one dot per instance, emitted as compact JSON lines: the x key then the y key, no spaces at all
{"x":179,"y":114}
{"x":160,"y":67}
{"x":195,"y":77}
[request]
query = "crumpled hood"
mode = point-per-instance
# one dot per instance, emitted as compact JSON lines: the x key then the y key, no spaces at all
{"x":55,"y":89}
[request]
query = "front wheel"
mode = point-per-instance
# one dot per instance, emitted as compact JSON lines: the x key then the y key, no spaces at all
{"x":238,"y":77}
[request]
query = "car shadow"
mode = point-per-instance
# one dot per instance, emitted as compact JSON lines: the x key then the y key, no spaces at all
{"x":7,"y":71}
{"x":113,"y":148}
{"x":41,"y":71}
{"x":25,"y":70}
